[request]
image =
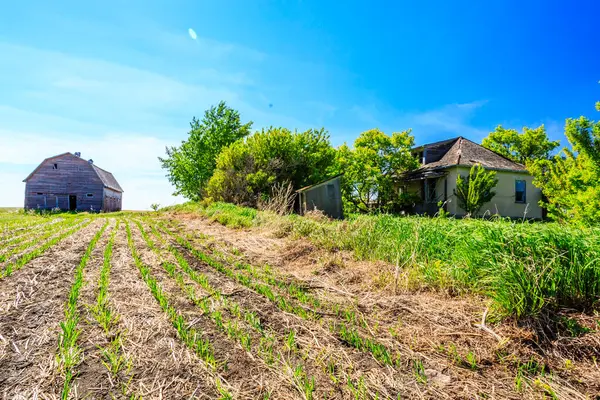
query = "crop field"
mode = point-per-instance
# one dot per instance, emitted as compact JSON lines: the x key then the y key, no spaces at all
{"x":173,"y":305}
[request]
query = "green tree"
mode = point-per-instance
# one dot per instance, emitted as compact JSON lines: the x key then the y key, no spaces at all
{"x":190,"y":166}
{"x":571,"y":180}
{"x":475,"y":190}
{"x":247,"y":169}
{"x":372,"y":168}
{"x":525,"y":147}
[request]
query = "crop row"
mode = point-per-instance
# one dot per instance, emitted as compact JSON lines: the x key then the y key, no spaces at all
{"x":238,"y":323}
{"x":38,"y":251}
{"x":69,"y":354}
{"x":346,"y":332}
{"x":32,"y":238}
{"x":113,"y":355}
{"x":191,"y":337}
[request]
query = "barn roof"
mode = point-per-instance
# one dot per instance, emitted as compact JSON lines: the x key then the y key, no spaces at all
{"x":106,"y":177}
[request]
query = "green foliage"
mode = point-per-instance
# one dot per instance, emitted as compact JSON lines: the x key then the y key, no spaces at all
{"x":475,"y":190}
{"x":571,"y":180}
{"x":155,"y":206}
{"x":371,"y":170}
{"x":525,"y":147}
{"x":190,"y":166}
{"x":247,"y":169}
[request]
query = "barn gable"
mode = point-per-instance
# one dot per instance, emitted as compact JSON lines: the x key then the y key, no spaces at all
{"x":68,"y":182}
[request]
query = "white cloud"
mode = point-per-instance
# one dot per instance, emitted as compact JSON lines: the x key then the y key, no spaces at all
{"x":192,"y":33}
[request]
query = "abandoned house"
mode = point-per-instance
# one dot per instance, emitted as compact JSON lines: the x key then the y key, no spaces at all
{"x":442,"y":162}
{"x":325,"y":196}
{"x":70,"y":183}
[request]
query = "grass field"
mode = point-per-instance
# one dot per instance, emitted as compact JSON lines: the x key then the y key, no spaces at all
{"x":173,"y":305}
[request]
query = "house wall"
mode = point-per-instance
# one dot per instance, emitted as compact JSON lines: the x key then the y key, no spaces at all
{"x":326,"y":197}
{"x":74,"y":176}
{"x":503,"y":202}
{"x":112,"y":200}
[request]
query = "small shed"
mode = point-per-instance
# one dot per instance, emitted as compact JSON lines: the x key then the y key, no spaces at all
{"x":325,"y":196}
{"x":70,"y":183}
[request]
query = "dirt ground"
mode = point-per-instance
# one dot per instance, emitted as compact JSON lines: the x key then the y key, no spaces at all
{"x":198,"y":310}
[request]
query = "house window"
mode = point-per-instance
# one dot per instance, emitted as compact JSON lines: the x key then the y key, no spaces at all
{"x":54,"y":166}
{"x":90,"y":195}
{"x":431,"y":192}
{"x":520,"y":191}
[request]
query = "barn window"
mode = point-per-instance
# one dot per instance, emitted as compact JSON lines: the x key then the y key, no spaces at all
{"x":54,"y":166}
{"x":90,"y":195}
{"x":40,"y":194}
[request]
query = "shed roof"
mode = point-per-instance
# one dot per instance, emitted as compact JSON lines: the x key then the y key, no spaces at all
{"x":108,"y":180}
{"x":305,"y":188}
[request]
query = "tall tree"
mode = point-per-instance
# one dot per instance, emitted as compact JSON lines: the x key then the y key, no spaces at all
{"x":371,"y":169}
{"x":190,"y":166}
{"x":475,"y":190}
{"x":525,"y":147}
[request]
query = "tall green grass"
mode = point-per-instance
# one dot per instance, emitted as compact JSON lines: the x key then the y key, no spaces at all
{"x":524,"y":267}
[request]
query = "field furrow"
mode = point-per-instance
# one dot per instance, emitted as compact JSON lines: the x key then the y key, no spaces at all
{"x":163,"y":366}
{"x":105,"y":368}
{"x":30,"y":239}
{"x":246,"y":375}
{"x":348,"y":361}
{"x":32,"y":307}
{"x":13,"y":235}
{"x":37,"y":249}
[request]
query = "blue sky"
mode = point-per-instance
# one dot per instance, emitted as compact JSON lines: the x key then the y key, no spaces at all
{"x":118,"y":80}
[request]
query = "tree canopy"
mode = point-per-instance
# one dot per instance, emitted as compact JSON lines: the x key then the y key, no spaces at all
{"x":371,"y":170}
{"x":190,"y":166}
{"x":247,"y":169}
{"x":524,"y":147}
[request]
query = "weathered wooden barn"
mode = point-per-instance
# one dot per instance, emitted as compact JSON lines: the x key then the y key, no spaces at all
{"x":70,"y":183}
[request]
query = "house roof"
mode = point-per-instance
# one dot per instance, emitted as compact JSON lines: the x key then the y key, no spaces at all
{"x":305,"y":188}
{"x":464,"y":152}
{"x":108,"y":180}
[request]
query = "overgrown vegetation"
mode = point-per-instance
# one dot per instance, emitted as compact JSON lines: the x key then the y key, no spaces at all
{"x":476,"y":189}
{"x":525,"y":268}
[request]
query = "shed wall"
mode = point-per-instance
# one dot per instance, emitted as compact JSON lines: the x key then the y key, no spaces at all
{"x":325,"y":197}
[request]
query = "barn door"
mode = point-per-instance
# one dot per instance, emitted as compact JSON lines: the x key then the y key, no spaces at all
{"x":72,"y":202}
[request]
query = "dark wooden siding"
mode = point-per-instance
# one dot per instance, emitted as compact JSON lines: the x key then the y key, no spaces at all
{"x":49,"y":187}
{"x":112,"y":200}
